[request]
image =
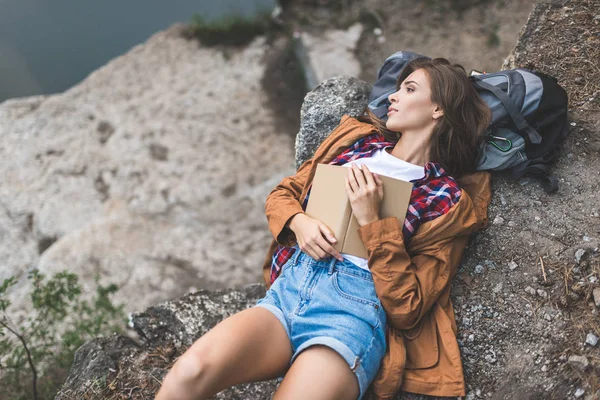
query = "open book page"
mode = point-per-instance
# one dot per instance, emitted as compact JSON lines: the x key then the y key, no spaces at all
{"x":329,"y":203}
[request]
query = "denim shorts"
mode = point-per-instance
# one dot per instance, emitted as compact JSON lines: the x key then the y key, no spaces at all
{"x":331,"y":303}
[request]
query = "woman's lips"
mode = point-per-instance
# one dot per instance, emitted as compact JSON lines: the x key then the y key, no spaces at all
{"x":391,"y":110}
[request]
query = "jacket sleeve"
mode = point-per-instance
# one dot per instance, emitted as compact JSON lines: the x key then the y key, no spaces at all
{"x":408,"y":286}
{"x":284,"y":202}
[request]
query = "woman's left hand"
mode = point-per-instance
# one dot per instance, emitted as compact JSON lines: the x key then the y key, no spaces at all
{"x":365,"y":191}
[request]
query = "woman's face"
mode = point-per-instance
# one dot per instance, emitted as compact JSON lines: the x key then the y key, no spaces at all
{"x":412,"y":108}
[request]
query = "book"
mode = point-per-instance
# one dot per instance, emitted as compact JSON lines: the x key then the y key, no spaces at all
{"x":329,"y":203}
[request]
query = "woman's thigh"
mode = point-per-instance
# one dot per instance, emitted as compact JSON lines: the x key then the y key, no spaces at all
{"x":319,"y":373}
{"x":249,"y":346}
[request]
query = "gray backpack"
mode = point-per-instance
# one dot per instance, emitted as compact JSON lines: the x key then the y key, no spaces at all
{"x":529,"y":117}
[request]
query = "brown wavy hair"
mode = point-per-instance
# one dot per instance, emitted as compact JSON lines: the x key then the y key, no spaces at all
{"x":459,"y":132}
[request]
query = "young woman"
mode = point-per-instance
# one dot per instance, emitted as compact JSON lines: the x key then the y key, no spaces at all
{"x":334,"y":324}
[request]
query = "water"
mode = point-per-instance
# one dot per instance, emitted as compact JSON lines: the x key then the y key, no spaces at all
{"x":47,"y":46}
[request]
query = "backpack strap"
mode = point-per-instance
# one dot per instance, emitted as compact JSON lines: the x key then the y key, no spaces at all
{"x":540,"y":171}
{"x":531,"y":135}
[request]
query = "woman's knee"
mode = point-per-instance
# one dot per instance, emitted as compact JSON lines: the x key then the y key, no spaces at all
{"x":192,"y":365}
{"x":196,"y":364}
{"x":189,"y":377}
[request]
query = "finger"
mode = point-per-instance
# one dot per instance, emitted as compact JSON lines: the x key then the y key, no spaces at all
{"x":327,"y":233}
{"x":368,"y":176}
{"x":310,"y":251}
{"x":305,"y":249}
{"x":378,"y":180}
{"x":352,"y":180}
{"x":329,"y":249}
{"x":380,"y":191}
{"x":318,"y":250}
{"x":358,"y":174}
{"x":349,"y":188}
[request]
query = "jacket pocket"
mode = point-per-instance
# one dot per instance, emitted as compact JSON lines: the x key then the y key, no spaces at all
{"x":422,"y":350}
{"x":389,"y":378}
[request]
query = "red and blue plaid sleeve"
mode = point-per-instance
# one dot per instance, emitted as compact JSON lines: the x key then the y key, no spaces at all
{"x":432,"y":196}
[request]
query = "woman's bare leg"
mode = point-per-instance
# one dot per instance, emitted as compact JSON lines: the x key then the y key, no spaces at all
{"x":318,"y":373}
{"x":249,"y":346}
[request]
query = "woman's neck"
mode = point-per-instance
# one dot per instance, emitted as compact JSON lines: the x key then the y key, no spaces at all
{"x":413,"y":149}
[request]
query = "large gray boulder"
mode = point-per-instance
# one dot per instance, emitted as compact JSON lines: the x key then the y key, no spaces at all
{"x":151,"y":173}
{"x":323,"y":108}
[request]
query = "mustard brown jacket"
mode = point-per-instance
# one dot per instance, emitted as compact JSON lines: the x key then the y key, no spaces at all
{"x":413,"y":283}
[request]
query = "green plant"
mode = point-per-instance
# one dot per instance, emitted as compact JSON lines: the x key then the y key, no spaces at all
{"x":232,"y":30}
{"x":493,"y":39}
{"x":35,"y":356}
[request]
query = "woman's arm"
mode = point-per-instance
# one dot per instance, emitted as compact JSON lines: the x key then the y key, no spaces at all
{"x":408,"y":286}
{"x":283,"y":211}
{"x":284,"y":202}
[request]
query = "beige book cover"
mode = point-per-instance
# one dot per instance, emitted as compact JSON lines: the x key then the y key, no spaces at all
{"x":329,"y":203}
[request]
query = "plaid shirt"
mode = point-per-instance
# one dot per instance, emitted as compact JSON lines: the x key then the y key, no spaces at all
{"x":432,"y":196}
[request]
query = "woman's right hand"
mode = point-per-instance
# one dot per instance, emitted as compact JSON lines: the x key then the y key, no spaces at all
{"x":314,"y":237}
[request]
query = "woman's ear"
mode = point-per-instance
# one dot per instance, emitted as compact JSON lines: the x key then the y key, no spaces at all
{"x":437,"y":112}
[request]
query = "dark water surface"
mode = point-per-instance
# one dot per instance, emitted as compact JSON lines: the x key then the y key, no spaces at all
{"x":47,"y":46}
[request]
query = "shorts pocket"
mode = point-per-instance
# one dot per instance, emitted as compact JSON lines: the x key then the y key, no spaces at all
{"x":356,"y":289}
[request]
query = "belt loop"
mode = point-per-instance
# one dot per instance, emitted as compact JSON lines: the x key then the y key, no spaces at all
{"x":296,"y":255}
{"x":331,"y":265}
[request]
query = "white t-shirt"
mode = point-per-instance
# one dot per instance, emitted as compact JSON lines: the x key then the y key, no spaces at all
{"x":383,"y":163}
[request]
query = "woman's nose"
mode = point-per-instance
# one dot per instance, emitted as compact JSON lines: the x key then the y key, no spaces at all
{"x":392,"y":97}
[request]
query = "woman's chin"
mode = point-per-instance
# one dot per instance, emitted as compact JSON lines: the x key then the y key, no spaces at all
{"x":392,"y":127}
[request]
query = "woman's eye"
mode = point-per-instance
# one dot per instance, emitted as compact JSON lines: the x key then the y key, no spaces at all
{"x":410,"y":89}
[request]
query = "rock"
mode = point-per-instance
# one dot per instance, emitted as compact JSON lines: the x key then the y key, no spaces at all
{"x":497,"y":288}
{"x":498,"y":220}
{"x":579,"y":362}
{"x":512,"y":265}
{"x":596,"y":294}
{"x":93,"y":360}
{"x":106,"y":178}
{"x":530,"y":290}
{"x":503,"y":200}
{"x":324,"y":107}
{"x":579,"y":255}
{"x":591,"y":339}
{"x":579,"y":392}
{"x":171,"y":325}
{"x":479,"y":269}
{"x":331,"y":54}
{"x":542,"y":293}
